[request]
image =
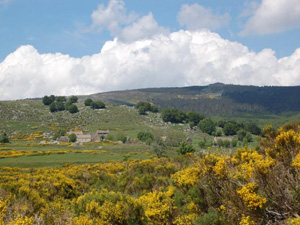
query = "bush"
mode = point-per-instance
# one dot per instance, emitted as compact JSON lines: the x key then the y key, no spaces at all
{"x":97,"y":105}
{"x":194,"y":118}
{"x":4,"y":138}
{"x":145,"y":136}
{"x":173,"y":115}
{"x":52,"y":107}
{"x":73,"y":108}
{"x":88,"y":102}
{"x":60,"y":106}
{"x":184,"y":148}
{"x":48,"y":100}
{"x":73,"y":99}
{"x":207,"y":126}
{"x":72,"y":138}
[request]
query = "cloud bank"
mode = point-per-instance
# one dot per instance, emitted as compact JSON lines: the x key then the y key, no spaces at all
{"x":273,"y":16}
{"x":177,"y":59}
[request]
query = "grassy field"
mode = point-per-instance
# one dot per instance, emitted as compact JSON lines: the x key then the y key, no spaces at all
{"x":30,"y":118}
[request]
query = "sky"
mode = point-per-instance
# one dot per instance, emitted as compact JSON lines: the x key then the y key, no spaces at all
{"x":82,"y":47}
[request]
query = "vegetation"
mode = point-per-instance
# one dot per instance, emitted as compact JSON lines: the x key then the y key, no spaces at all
{"x":144,"y":107}
{"x":207,"y":126}
{"x":253,"y":186}
{"x":72,"y":138}
{"x":97,"y":105}
{"x":4,"y":138}
{"x":173,"y":115}
{"x":185,"y":148}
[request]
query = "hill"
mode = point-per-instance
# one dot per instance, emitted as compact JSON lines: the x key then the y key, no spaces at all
{"x":214,"y":99}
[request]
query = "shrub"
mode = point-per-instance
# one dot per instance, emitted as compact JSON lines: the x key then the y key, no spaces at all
{"x":145,"y":135}
{"x":73,"y":108}
{"x":72,"y":138}
{"x":88,"y":102}
{"x":4,"y":138}
{"x":184,"y":148}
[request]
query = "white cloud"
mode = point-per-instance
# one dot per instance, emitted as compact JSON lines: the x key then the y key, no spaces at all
{"x":145,"y":27}
{"x":273,"y":16}
{"x":112,"y":17}
{"x":177,"y":59}
{"x":196,"y":17}
{"x":127,"y":27}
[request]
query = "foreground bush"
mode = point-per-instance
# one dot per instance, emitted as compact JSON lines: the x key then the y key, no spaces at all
{"x":254,"y":186}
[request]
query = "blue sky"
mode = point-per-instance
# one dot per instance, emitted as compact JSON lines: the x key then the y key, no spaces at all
{"x":250,"y":31}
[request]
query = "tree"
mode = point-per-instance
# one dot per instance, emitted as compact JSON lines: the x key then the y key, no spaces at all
{"x":173,"y":115}
{"x":53,"y":107}
{"x":60,"y":106}
{"x":145,"y":136}
{"x":72,"y":138}
{"x":207,"y":126}
{"x":73,"y":108}
{"x":229,"y":129}
{"x":88,"y":102}
{"x":73,"y":99}
{"x":253,"y":129}
{"x":184,"y":148}
{"x":47,"y":100}
{"x":241,"y":134}
{"x":194,"y":118}
{"x":59,"y":133}
{"x":226,"y":143}
{"x":4,"y":138}
{"x":97,"y":105}
{"x":61,"y":99}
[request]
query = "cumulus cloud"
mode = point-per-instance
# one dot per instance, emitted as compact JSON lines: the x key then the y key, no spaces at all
{"x":127,"y":27}
{"x":112,"y":17}
{"x":177,"y":59}
{"x":196,"y":17}
{"x":143,"y":28}
{"x":273,"y":16}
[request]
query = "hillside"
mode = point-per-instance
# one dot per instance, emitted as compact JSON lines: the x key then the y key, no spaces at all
{"x":214,"y":99}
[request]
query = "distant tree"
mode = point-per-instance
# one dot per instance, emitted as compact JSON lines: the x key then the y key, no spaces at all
{"x":220,"y":142}
{"x":194,"y":118}
{"x":73,"y":99}
{"x":145,"y":136}
{"x":88,"y":102}
{"x":184,"y":148}
{"x":207,"y":126}
{"x":4,"y":138}
{"x":59,"y":133}
{"x":61,"y":99}
{"x":142,"y":110}
{"x":60,"y":106}
{"x":72,"y":138}
{"x":53,"y":107}
{"x":241,"y":134}
{"x":143,"y":107}
{"x":47,"y":100}
{"x":173,"y":115}
{"x":97,"y":105}
{"x":73,"y":109}
{"x":221,"y":123}
{"x":233,"y":143}
{"x":253,"y":129}
{"x":229,"y":129}
{"x":154,"y":109}
{"x":52,"y":97}
{"x":226,"y":143}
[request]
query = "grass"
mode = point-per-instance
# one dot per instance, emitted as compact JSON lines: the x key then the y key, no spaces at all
{"x":31,"y":116}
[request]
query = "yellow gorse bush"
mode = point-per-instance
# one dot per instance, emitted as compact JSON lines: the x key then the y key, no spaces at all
{"x":248,"y":194}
